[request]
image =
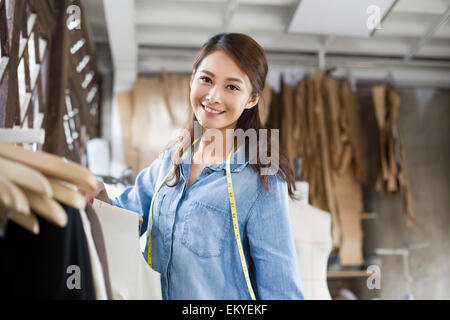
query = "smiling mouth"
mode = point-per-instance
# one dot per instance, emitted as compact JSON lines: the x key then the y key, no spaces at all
{"x":208,"y":109}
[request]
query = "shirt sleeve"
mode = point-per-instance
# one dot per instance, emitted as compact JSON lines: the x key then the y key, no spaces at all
{"x":272,"y":247}
{"x":137,"y":198}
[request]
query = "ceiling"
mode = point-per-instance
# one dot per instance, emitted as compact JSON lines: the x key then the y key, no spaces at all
{"x":146,"y":36}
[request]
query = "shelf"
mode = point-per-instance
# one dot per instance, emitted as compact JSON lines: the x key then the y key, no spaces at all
{"x":347,"y":274}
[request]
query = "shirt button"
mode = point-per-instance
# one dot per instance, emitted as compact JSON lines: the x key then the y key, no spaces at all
{"x":208,"y":172}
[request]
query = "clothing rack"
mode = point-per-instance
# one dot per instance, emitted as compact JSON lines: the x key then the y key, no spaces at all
{"x":415,"y":72}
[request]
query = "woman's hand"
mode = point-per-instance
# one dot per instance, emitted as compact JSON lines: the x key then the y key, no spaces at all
{"x":100,"y":193}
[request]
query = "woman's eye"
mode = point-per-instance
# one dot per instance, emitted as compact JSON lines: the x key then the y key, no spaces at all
{"x":208,"y":80}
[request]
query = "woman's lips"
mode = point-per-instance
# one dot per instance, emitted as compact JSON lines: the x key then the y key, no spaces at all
{"x":211,"y":113}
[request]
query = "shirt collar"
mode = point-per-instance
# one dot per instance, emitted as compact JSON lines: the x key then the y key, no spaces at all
{"x":238,"y":160}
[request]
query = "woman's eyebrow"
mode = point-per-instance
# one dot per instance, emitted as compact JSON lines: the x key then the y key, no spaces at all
{"x":212,"y":75}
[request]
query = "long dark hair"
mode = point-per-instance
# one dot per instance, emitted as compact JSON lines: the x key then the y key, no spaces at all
{"x":251,"y":58}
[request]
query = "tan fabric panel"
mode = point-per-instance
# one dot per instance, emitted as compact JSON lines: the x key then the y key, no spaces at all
{"x":300,"y":121}
{"x":287,"y":121}
{"x":161,"y":106}
{"x":264,"y":104}
{"x":177,"y":91}
{"x":393,"y":175}
{"x":333,"y":106}
{"x":349,"y":203}
{"x":379,"y":100}
{"x":125,"y":105}
{"x":351,"y":114}
{"x":317,"y":78}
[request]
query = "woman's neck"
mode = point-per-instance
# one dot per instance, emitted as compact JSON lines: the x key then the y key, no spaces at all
{"x":214,"y":146}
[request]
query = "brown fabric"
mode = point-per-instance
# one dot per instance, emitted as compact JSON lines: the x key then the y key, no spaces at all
{"x":325,"y":134}
{"x":317,"y":78}
{"x":336,"y":145}
{"x":349,"y":111}
{"x":264,"y":104}
{"x":99,"y":242}
{"x":287,"y":121}
{"x":300,"y":123}
{"x":272,"y":121}
{"x":313,"y":172}
{"x":379,"y":98}
{"x":393,"y":175}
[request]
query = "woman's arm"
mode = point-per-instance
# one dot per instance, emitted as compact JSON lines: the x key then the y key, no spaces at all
{"x":138,"y":197}
{"x":272,"y":245}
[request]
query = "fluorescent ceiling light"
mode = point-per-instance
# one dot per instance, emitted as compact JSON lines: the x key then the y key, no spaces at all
{"x":353,"y":18}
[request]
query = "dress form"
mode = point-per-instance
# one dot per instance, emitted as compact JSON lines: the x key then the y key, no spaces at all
{"x":311,"y":228}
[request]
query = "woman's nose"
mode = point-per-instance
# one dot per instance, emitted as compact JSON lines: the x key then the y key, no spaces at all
{"x":213,"y":95}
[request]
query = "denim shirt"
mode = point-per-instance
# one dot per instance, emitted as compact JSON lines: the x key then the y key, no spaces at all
{"x":193,"y":241}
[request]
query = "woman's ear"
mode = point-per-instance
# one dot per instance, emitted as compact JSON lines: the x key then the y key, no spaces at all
{"x":252,"y":102}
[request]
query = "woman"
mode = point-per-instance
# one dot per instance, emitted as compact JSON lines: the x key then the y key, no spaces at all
{"x":193,"y":242}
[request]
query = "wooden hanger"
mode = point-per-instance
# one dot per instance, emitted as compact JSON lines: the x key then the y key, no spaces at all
{"x":28,"y":222}
{"x":6,"y":199}
{"x":47,"y":208}
{"x":13,"y":198}
{"x":66,"y":195}
{"x":51,"y":165}
{"x":25,"y":177}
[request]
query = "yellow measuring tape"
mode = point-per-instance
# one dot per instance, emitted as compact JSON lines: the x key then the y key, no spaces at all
{"x":233,"y":215}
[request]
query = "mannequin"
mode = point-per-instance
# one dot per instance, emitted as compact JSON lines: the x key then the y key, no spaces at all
{"x":311,"y":228}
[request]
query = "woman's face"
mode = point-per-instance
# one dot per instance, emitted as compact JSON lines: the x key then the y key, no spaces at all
{"x":219,"y":84}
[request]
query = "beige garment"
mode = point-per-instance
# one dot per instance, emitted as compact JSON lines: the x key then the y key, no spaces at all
{"x":350,"y":207}
{"x":177,"y":93}
{"x":311,"y":228}
{"x":125,"y":105}
{"x":96,"y":266}
{"x":130,"y":275}
{"x":317,"y":79}
{"x":161,"y":106}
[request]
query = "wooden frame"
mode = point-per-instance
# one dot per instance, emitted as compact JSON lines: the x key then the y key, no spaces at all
{"x":38,"y":57}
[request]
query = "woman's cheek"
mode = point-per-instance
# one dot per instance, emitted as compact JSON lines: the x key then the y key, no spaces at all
{"x":235,"y":104}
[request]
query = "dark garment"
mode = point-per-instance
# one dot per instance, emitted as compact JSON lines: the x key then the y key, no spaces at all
{"x":36,"y":266}
{"x":99,"y":241}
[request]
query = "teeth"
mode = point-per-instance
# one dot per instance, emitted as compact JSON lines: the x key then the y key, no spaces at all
{"x":211,"y":110}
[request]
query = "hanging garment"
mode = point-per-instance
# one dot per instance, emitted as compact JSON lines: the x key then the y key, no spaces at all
{"x":393,"y":175}
{"x":97,"y":271}
{"x":97,"y":235}
{"x":264,"y":104}
{"x":311,"y":228}
{"x":287,"y":121}
{"x":126,"y":108}
{"x":350,"y":206}
{"x":54,"y":264}
{"x":130,"y":275}
{"x":160,"y":105}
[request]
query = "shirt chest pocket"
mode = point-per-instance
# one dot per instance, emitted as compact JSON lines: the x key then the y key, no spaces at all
{"x":158,"y":211}
{"x":205,"y":229}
